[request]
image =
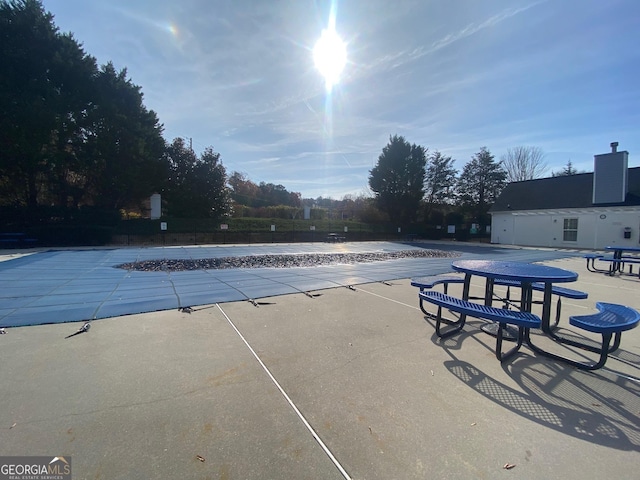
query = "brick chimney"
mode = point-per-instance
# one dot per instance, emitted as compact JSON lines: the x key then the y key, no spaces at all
{"x":610,"y":176}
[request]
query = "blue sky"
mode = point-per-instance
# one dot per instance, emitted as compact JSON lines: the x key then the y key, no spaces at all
{"x":451,"y":75}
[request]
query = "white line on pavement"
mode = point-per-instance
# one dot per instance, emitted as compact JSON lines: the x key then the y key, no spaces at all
{"x":284,"y":394}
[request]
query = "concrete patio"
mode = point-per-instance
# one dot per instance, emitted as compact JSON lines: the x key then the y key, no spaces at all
{"x":344,"y":383}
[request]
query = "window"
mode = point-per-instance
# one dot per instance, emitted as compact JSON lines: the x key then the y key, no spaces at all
{"x":570,"y":230}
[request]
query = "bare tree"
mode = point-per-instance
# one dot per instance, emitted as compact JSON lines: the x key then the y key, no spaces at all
{"x":523,"y":163}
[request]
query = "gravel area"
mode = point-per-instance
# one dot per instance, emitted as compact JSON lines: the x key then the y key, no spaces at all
{"x":279,"y":261}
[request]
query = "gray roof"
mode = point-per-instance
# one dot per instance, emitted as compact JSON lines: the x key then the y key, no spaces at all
{"x":569,"y":191}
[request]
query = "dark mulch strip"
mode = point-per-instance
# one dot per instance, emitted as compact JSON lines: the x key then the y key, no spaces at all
{"x":279,"y":261}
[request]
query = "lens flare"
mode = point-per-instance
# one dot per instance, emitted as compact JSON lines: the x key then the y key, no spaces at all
{"x":173,"y":29}
{"x":330,"y":56}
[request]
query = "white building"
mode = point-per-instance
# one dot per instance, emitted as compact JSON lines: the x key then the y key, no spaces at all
{"x":587,"y":210}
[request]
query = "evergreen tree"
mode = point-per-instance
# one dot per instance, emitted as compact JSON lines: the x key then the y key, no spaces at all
{"x":398,"y":179}
{"x":567,"y":170}
{"x":440,"y":179}
{"x":70,"y":134}
{"x":45,"y":88}
{"x":480,"y":183}
{"x":124,"y":144}
{"x":196,"y":187}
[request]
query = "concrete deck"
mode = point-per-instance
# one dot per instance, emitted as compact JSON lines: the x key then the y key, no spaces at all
{"x":349,"y":383}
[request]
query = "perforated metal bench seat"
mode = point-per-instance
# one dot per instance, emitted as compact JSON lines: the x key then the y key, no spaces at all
{"x":424,"y":283}
{"x":430,"y":282}
{"x":523,"y":320}
{"x":501,"y":315}
{"x":611,"y":320}
{"x":555,"y":289}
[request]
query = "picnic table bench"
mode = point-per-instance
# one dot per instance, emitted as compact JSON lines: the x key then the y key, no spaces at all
{"x":591,"y":261}
{"x":429,"y":282}
{"x":618,"y":264}
{"x":524,"y":320}
{"x":611,"y":320}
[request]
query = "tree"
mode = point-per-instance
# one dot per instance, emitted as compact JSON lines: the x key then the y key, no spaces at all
{"x":366,"y":210}
{"x":196,"y":187}
{"x":523,"y":163}
{"x":440,"y":178}
{"x":124,"y":143}
{"x":215,"y":199}
{"x":480,"y":183}
{"x":398,"y":179}
{"x":276,"y":195}
{"x":178,"y":192}
{"x":567,"y":170}
{"x":243,"y":190}
{"x":44,"y":95}
{"x":70,"y":134}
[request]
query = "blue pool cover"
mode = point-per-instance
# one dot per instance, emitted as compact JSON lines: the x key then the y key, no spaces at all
{"x":59,"y":286}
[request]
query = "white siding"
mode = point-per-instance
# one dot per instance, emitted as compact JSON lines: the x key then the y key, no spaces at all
{"x":534,"y":230}
{"x":545,"y":228}
{"x":502,"y":228}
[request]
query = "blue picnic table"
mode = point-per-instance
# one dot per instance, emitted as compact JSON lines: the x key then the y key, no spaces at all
{"x":525,"y":273}
{"x":619,"y":258}
{"x":609,"y":322}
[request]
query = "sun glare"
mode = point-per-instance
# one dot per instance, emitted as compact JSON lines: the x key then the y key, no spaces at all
{"x":330,"y":56}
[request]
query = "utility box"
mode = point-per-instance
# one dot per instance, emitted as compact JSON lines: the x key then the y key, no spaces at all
{"x":627,"y":232}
